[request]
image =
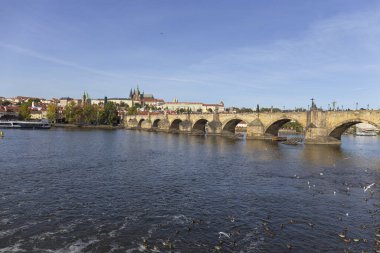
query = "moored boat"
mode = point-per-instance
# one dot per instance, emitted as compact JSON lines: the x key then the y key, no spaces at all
{"x":43,"y":124}
{"x":365,"y":132}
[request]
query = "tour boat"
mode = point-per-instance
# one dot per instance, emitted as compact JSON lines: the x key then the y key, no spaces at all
{"x":366,"y":133}
{"x":25,"y":124}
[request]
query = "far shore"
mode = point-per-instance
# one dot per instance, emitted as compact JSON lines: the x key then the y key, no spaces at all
{"x":108,"y":127}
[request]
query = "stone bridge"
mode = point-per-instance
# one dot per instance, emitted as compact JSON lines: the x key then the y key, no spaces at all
{"x":321,"y":127}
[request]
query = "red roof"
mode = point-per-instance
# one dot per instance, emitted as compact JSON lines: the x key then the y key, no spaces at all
{"x":9,"y":108}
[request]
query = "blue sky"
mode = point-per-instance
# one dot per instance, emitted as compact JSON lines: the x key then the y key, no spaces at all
{"x":267,"y":52}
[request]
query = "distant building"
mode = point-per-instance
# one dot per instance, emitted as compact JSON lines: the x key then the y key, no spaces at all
{"x":38,"y":114}
{"x":193,"y":106}
{"x":175,"y":106}
{"x":8,"y":112}
{"x":121,"y":101}
{"x":153,"y":101}
{"x":213,"y":107}
{"x":63,"y":102}
{"x":20,"y":99}
{"x":98,"y":101}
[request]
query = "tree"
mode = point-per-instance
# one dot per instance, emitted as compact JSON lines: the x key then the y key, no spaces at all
{"x":78,"y":115}
{"x":294,"y":125}
{"x":5,"y":102}
{"x":132,"y":110}
{"x":52,"y":112}
{"x":110,"y":113}
{"x":70,"y":113}
{"x":89,"y":113}
{"x":24,"y":112}
{"x":245,"y":110}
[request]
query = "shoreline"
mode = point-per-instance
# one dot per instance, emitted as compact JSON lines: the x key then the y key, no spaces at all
{"x":106,"y":127}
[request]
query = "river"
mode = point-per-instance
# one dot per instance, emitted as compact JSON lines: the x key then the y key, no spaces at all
{"x":131,"y":191}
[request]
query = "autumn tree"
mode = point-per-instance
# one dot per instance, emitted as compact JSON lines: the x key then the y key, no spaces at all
{"x":70,"y":113}
{"x":24,"y":112}
{"x":52,"y":112}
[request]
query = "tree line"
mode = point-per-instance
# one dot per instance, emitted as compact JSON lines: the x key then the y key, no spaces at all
{"x":87,"y":114}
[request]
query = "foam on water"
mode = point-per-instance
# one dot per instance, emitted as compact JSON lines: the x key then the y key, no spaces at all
{"x":14,"y":248}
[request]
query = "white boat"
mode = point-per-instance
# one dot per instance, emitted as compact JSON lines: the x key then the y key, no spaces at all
{"x":44,"y":124}
{"x":366,"y":133}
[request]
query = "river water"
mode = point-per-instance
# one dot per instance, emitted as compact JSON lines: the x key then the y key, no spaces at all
{"x":130,"y":191}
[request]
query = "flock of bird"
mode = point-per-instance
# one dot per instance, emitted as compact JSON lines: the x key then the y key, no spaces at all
{"x":228,"y":240}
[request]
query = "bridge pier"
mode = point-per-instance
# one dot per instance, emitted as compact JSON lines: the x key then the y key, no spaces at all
{"x":131,"y":123}
{"x":319,"y":135}
{"x":256,"y":131}
{"x":146,"y":124}
{"x":214,"y":128}
{"x":185,"y":127}
{"x":316,"y":129}
{"x":163,"y":126}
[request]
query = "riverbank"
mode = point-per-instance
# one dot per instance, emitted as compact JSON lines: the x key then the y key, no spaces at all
{"x":107,"y":127}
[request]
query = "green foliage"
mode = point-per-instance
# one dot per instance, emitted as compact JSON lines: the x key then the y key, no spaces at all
{"x":182,"y":110}
{"x":52,"y":112}
{"x":245,"y":110}
{"x":270,"y":109}
{"x":294,"y":125}
{"x":91,"y":114}
{"x":70,"y":112}
{"x":5,"y":102}
{"x":110,"y":113}
{"x":241,"y":110}
{"x":132,"y":110}
{"x":29,"y":102}
{"x":25,"y":111}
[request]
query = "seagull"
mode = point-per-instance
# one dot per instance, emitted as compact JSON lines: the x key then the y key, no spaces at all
{"x":223,"y":234}
{"x":369,"y":186}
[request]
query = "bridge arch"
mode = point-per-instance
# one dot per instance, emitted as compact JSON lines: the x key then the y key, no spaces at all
{"x":276,"y":125}
{"x":174,"y":125}
{"x":140,"y":123}
{"x":155,"y":123}
{"x":337,"y":130}
{"x":200,"y":125}
{"x":230,"y":126}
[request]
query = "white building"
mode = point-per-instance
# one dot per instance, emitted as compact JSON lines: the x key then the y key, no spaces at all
{"x":193,"y":106}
